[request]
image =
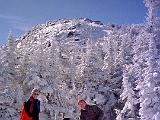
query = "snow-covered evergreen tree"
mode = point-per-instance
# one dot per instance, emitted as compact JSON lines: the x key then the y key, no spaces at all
{"x":9,"y":75}
{"x":149,"y":98}
{"x":147,"y":82}
{"x":10,"y":57}
{"x":153,"y":8}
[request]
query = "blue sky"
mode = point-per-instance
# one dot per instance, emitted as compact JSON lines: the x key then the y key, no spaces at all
{"x":20,"y":15}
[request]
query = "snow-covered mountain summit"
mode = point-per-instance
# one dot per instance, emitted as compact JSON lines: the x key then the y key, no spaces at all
{"x":80,"y":30}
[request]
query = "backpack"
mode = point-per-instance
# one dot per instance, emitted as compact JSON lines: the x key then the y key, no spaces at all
{"x":24,"y":115}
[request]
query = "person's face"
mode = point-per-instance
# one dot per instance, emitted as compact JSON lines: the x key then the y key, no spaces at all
{"x":35,"y":95}
{"x":82,"y":105}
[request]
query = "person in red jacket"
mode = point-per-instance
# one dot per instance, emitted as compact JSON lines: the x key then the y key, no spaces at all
{"x":31,"y":108}
{"x":89,"y":112}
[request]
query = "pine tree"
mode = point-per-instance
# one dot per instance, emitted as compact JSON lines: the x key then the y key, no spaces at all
{"x":153,"y":7}
{"x":149,"y":98}
{"x":8,"y":80}
{"x":10,"y":58}
{"x":128,"y":95}
{"x":148,"y":95}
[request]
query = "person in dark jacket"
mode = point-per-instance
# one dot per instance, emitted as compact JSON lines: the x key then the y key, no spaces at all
{"x":90,"y":112}
{"x":32,"y":106}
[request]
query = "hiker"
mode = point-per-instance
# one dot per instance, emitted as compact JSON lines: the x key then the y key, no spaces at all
{"x":89,"y":112}
{"x":31,"y":108}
